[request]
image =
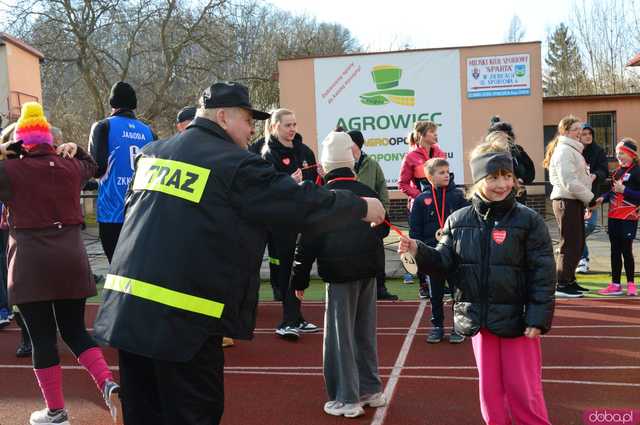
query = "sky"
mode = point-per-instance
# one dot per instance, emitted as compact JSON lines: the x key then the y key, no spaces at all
{"x":430,"y":24}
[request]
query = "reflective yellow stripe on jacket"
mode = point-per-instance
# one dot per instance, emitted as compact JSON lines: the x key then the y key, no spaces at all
{"x":158,"y":294}
{"x":175,"y":178}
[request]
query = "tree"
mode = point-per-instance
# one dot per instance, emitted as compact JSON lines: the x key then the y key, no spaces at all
{"x":608,"y":33}
{"x":516,"y":31}
{"x":565,"y":75}
{"x":169,"y":50}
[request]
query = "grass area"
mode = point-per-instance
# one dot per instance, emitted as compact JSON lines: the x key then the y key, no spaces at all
{"x":316,"y":290}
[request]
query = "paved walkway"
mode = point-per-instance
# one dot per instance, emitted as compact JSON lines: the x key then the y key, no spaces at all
{"x":598,"y":244}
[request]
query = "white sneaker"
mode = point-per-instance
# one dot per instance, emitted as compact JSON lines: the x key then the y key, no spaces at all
{"x":44,"y":417}
{"x":373,"y":400}
{"x":348,"y":410}
{"x":583,"y":266}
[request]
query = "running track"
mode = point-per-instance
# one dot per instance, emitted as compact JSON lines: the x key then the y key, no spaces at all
{"x":591,"y":360}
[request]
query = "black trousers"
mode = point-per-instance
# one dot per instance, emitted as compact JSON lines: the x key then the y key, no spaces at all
{"x":43,"y":320}
{"x":621,"y":235}
{"x":109,"y":233}
{"x":156,"y":392}
{"x":284,"y":246}
{"x":437,"y":306}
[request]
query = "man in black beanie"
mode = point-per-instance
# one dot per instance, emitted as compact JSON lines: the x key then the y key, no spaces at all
{"x":184,"y":118}
{"x":369,"y":172}
{"x":114,"y":143}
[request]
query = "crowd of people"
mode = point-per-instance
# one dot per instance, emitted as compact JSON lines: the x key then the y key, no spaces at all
{"x":184,"y":223}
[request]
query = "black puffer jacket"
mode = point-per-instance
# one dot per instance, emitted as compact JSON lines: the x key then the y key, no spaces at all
{"x":598,"y":164}
{"x":349,"y":253}
{"x":288,"y":160}
{"x":499,"y":257}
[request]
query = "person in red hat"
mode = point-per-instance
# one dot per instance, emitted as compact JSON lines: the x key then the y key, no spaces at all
{"x":49,"y":273}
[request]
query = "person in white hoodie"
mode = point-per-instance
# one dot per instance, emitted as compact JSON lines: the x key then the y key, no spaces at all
{"x":571,"y":194}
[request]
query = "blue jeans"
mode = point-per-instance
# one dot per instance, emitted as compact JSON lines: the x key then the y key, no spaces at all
{"x":589,"y":227}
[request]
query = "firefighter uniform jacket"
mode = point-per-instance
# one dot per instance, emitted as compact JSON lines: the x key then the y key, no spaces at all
{"x":187,"y":262}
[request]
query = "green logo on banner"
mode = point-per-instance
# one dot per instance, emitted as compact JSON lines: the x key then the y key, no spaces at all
{"x":386,"y":79}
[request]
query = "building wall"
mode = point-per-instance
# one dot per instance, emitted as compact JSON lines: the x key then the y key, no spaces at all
{"x":627,"y":110}
{"x":23,"y":73}
{"x":297,"y":91}
{"x":4,"y":83}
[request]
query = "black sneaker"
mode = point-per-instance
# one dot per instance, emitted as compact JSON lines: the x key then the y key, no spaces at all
{"x":24,"y":349}
{"x":435,"y":336}
{"x":568,"y":291}
{"x":288,"y":332}
{"x":386,"y":295}
{"x":307,"y":327}
{"x":577,"y":286}
{"x":423,"y":292}
{"x":455,"y":338}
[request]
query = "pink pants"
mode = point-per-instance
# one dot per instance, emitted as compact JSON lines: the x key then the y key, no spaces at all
{"x":510,"y":371}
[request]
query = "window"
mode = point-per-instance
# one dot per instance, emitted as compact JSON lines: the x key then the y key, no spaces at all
{"x":604,"y":130}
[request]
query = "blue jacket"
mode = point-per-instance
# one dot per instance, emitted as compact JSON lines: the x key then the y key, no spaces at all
{"x":423,"y":222}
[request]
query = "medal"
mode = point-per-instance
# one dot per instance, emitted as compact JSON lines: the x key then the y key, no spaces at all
{"x":440,"y":231}
{"x":409,"y":263}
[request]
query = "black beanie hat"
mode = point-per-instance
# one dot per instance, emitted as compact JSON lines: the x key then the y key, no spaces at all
{"x":357,"y":138}
{"x":123,"y":96}
{"x":188,"y":113}
{"x":505,"y":127}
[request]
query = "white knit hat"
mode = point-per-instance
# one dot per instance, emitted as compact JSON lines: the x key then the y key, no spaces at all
{"x":336,"y":151}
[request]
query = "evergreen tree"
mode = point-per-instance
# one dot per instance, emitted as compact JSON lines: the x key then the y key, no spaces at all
{"x":566,"y":75}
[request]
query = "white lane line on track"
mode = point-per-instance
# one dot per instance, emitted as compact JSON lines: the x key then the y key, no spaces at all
{"x":294,"y":368}
{"x":381,"y":412}
{"x":634,"y":338}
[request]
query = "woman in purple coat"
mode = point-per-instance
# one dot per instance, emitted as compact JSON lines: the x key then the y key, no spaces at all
{"x":49,"y":277}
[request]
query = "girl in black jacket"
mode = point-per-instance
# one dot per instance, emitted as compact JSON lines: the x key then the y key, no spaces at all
{"x":285,"y":150}
{"x":498,"y":255}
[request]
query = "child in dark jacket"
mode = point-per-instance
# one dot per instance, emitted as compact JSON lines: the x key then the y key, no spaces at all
{"x":430,"y":210}
{"x":348,"y":260}
{"x":623,"y":199}
{"x":499,"y":257}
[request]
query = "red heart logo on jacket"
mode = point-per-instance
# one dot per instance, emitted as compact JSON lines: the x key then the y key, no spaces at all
{"x":499,"y":236}
{"x":286,"y":161}
{"x":428,"y":201}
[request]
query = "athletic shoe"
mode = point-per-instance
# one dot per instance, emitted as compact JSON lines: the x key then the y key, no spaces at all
{"x":110,"y":391}
{"x":568,"y":291}
{"x":24,"y":349}
{"x":435,"y":336}
{"x":307,"y":328}
{"x":348,"y":410}
{"x":407,"y":278}
{"x":583,"y":266}
{"x":4,"y":318}
{"x":611,"y":289}
{"x":455,"y":338}
{"x":47,"y":417}
{"x":579,"y":287}
{"x":632,"y":291}
{"x":386,"y":295}
{"x":423,"y":292}
{"x":373,"y":400}
{"x":288,"y":332}
{"x":227,"y":342}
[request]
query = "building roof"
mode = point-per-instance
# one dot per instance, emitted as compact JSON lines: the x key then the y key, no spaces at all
{"x":592,"y":97}
{"x":635,"y":61}
{"x":405,"y":51}
{"x":6,"y":38}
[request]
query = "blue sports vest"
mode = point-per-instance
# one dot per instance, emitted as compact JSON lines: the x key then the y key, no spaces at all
{"x":127,"y":136}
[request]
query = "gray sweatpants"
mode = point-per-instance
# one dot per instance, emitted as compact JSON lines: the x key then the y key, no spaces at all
{"x":350,"y":353}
